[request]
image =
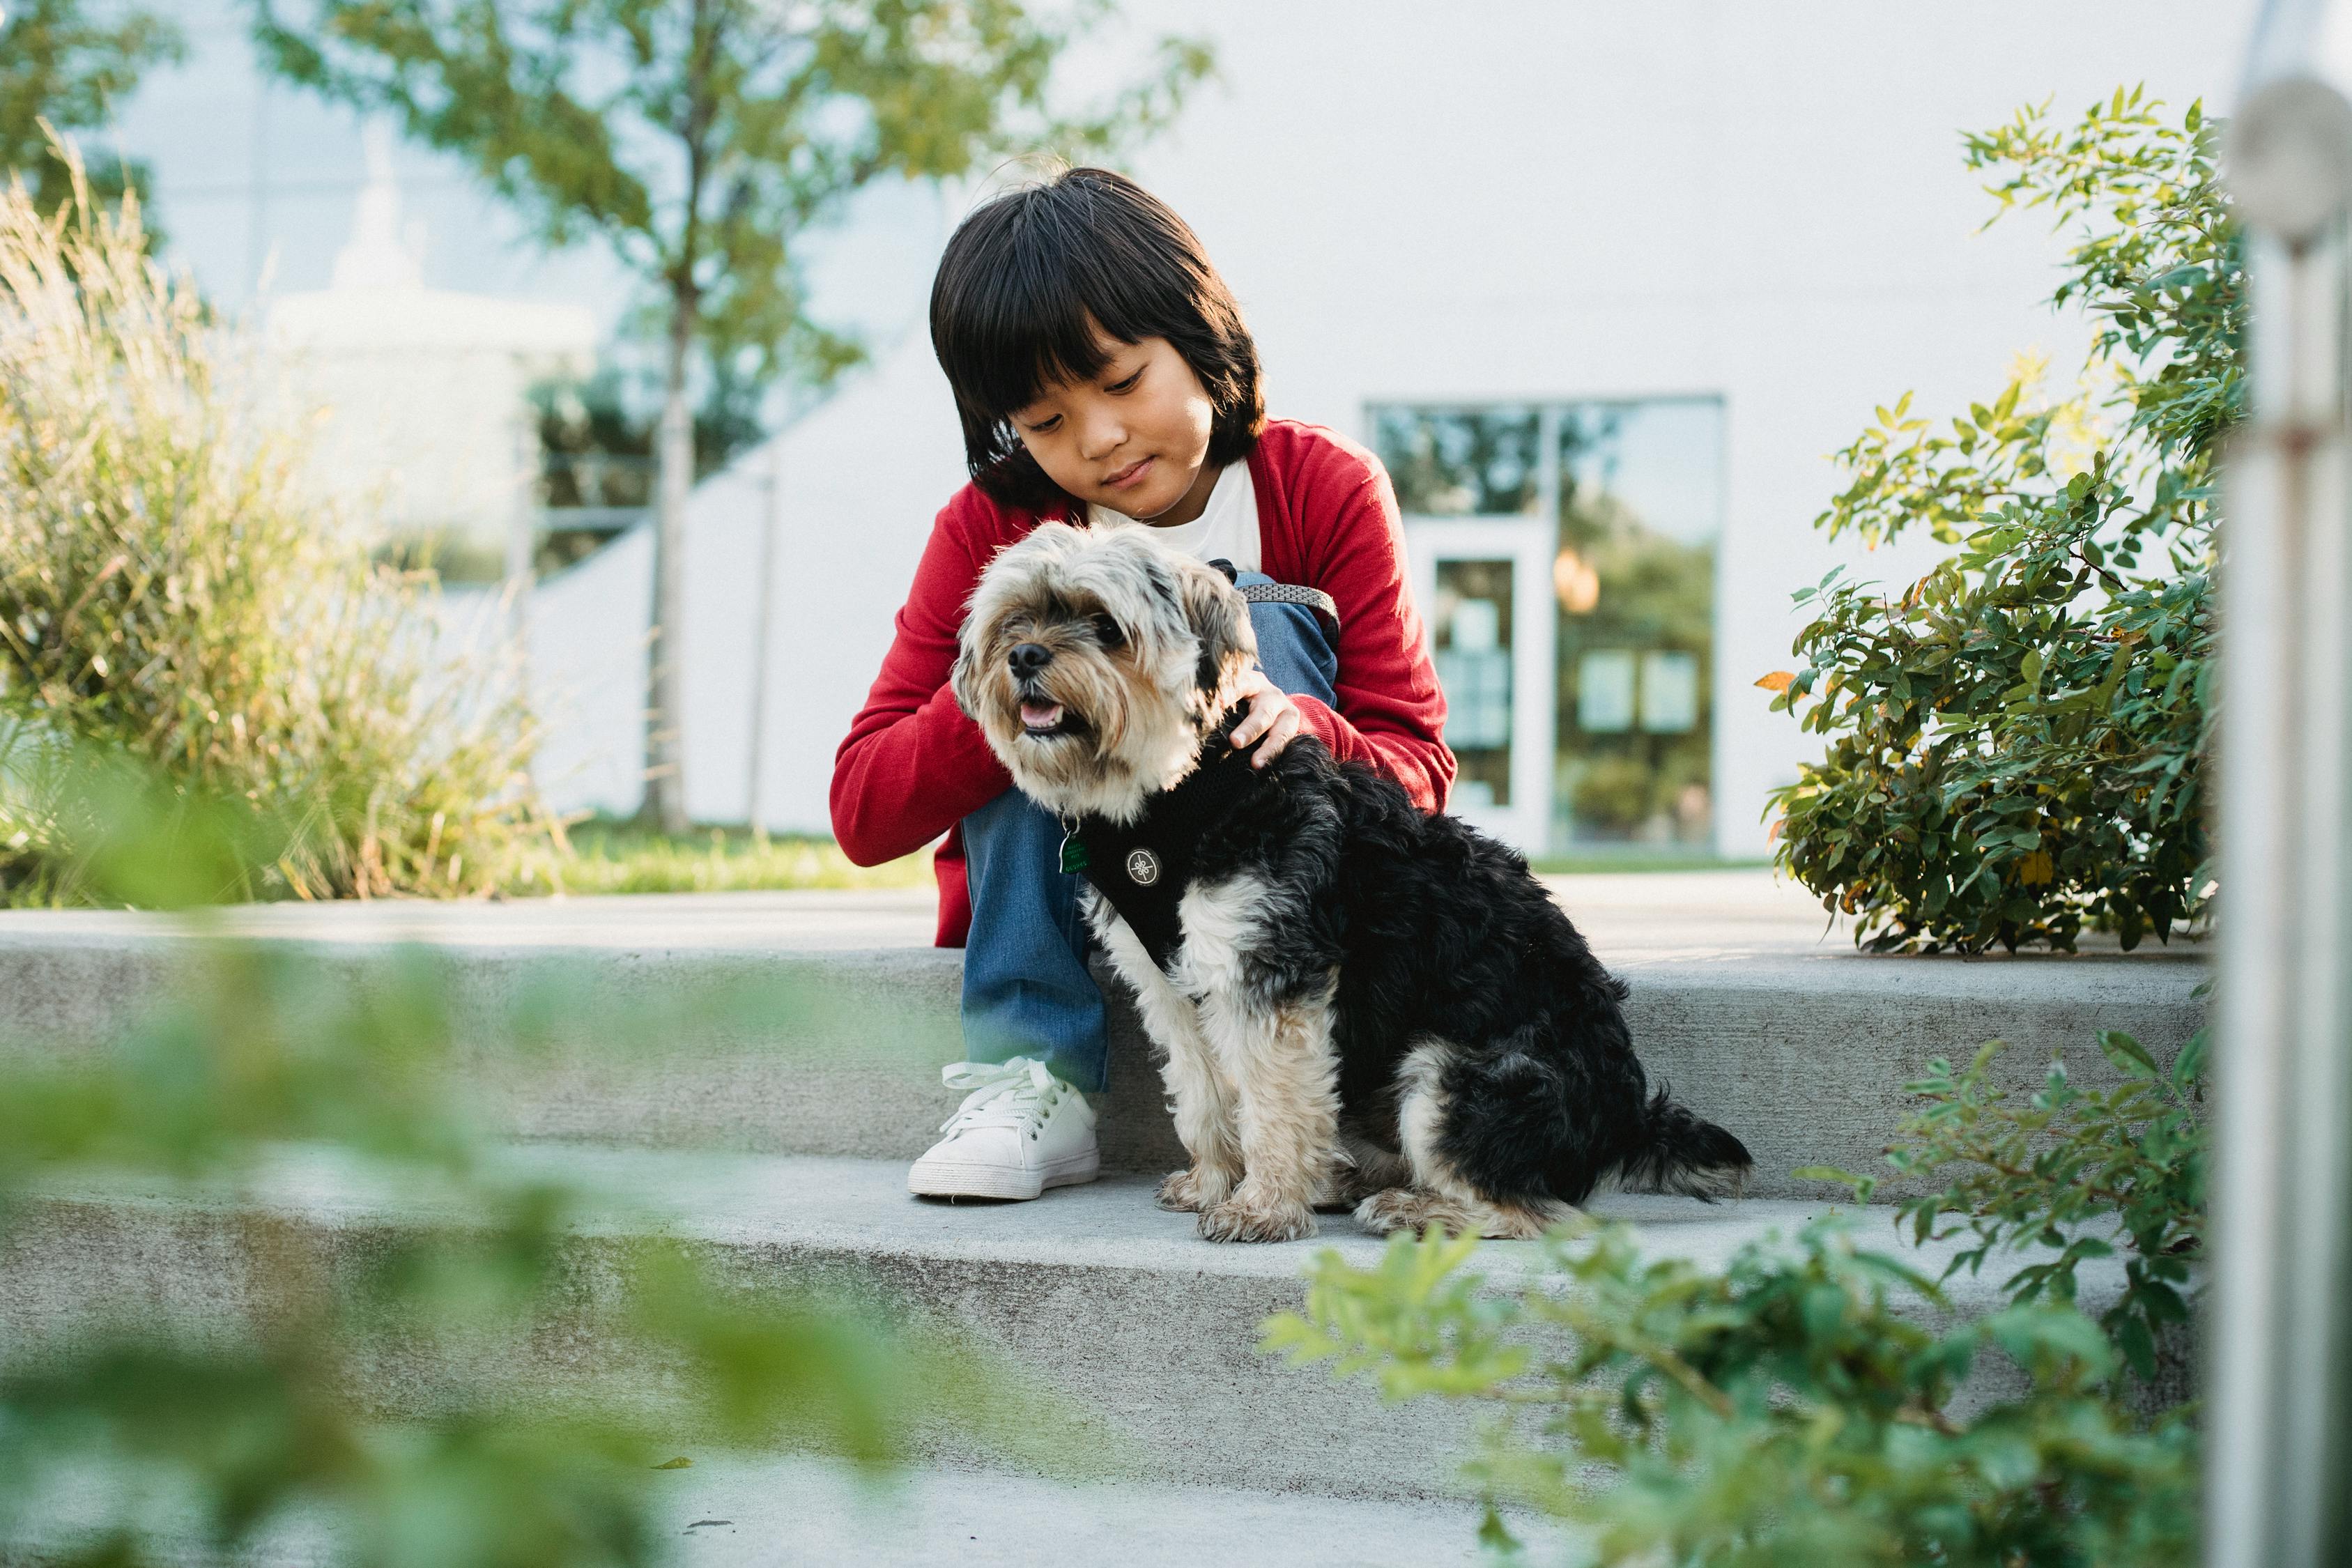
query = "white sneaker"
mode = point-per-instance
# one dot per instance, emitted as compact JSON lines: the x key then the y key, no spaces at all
{"x":1020,"y":1131}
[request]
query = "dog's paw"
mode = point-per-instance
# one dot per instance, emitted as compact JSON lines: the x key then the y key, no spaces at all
{"x":1408,"y":1208}
{"x":1242,"y":1218}
{"x":1399,"y":1208}
{"x":1191,"y":1191}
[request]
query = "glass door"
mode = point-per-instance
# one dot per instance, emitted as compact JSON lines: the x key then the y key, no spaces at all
{"x":1483,"y":586}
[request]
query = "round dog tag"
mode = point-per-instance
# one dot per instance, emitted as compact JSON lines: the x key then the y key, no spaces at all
{"x":1143,"y":867}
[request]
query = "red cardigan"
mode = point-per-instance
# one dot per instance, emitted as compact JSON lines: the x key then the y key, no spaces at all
{"x":913,"y":765}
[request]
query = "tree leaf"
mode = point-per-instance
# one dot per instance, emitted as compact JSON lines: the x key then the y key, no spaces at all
{"x":2128,"y":1055}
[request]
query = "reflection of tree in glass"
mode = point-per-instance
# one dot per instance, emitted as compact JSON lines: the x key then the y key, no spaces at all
{"x":1588,"y":446}
{"x":1460,"y":462}
{"x":1656,"y":594}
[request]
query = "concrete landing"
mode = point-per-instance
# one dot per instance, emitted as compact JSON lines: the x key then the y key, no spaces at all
{"x":1630,"y":919}
{"x":734,"y":1511}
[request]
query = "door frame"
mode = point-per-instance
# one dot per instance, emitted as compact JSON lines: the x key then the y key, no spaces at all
{"x":1527,"y":544}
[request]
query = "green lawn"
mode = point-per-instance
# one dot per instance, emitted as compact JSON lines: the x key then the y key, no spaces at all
{"x":1580,"y":864}
{"x":620,"y":857}
{"x":612,"y":856}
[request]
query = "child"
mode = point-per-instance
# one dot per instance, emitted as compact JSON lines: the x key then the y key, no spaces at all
{"x":1103,"y":372}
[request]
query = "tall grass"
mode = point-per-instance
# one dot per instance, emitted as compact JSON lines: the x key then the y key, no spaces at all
{"x":171,"y":593}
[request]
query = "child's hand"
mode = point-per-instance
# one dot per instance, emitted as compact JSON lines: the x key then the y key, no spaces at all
{"x":1271,"y":714}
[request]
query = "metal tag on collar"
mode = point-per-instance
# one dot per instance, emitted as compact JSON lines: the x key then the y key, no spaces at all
{"x":1074,"y":854}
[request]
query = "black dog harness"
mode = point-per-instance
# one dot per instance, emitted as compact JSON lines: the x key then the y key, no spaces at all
{"x":1144,"y":867}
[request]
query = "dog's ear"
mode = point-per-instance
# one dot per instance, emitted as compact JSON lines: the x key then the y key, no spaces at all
{"x":959,"y":679}
{"x":963,"y":678}
{"x":1218,"y":615}
{"x":1009,"y":570}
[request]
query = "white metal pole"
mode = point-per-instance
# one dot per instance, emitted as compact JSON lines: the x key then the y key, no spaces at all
{"x":762,"y":636}
{"x":523,"y":536}
{"x":2279,"y":1475}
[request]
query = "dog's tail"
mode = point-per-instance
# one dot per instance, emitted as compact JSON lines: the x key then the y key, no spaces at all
{"x":1674,"y":1152}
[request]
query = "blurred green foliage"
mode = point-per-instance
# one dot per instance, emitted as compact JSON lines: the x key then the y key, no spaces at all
{"x":425,"y":1347}
{"x":170,"y":591}
{"x":64,"y":65}
{"x":2016,"y":740}
{"x":1800,"y":1407}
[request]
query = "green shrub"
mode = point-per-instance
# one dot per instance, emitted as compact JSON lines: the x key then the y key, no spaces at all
{"x":2016,"y":740}
{"x":1797,"y":1407}
{"x":2074,"y":1170}
{"x":169,"y":592}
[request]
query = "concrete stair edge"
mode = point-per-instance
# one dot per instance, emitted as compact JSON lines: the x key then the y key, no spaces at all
{"x":837,"y":1053}
{"x":1115,"y":1307}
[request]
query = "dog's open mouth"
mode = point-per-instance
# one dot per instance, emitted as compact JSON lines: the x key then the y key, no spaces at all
{"x":1041,"y":720}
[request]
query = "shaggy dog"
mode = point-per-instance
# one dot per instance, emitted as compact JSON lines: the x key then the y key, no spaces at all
{"x":1359,"y":1004}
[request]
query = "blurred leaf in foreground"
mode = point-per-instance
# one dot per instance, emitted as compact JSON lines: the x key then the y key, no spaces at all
{"x":261,"y":1254}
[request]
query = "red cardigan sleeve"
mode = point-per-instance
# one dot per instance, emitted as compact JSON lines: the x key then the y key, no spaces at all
{"x":1391,"y":712}
{"x":913,"y":765}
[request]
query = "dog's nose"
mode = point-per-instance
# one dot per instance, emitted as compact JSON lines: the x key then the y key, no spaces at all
{"x":1027,"y":659}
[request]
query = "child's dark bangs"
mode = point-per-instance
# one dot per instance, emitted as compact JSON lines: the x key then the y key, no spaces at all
{"x":1039,"y":337}
{"x":1065,"y":266}
{"x":1038,"y":288}
{"x":1015,"y":319}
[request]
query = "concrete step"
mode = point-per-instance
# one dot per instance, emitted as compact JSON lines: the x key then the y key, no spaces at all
{"x":738,"y":1511}
{"x":815,"y":1022}
{"x":1143,"y":1335}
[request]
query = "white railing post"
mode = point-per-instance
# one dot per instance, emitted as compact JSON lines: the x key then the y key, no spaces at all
{"x":2279,"y":1474}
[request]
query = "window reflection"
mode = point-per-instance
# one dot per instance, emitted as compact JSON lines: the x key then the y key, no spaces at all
{"x":1639,"y":507}
{"x":1461,"y":462}
{"x":1641,"y":504}
{"x":1471,"y":645}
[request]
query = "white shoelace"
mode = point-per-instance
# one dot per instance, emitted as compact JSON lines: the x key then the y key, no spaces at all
{"x":1019,"y":1094}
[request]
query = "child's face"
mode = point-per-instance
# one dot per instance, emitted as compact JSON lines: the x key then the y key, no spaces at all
{"x":1134,"y":438}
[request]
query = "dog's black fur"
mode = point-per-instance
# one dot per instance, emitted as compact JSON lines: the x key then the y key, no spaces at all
{"x":1438,"y":931}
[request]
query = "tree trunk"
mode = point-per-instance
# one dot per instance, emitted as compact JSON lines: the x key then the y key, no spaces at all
{"x":673,"y":483}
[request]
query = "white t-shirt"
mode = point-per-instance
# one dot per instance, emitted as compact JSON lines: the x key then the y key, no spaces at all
{"x":1226,"y":528}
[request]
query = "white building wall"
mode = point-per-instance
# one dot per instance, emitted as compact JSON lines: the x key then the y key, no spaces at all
{"x":862,"y":478}
{"x":1522,"y":199}
{"x":589,"y":661}
{"x":420,"y":398}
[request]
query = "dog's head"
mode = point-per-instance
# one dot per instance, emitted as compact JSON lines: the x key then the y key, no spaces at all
{"x":1097,"y":661}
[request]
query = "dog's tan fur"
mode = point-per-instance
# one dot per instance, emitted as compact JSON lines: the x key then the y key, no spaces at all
{"x":1199,"y":1097}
